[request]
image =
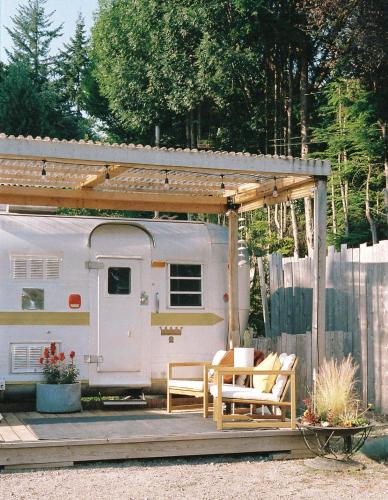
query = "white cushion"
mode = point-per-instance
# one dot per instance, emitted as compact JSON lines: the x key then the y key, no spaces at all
{"x":287,"y":361}
{"x":216,"y":360}
{"x":237,"y":392}
{"x":193,"y":385}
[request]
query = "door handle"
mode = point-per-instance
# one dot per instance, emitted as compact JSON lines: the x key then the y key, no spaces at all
{"x":157,"y":302}
{"x":129,"y":333}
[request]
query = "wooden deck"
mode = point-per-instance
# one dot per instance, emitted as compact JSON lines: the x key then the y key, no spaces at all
{"x":25,"y":437}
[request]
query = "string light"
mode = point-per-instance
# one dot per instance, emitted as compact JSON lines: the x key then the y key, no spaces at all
{"x":107,"y":176}
{"x":43,"y":172}
{"x":275,"y":193}
{"x":222,"y":183}
{"x":166,"y":181}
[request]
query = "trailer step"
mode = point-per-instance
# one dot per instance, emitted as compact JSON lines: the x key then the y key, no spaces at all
{"x":128,"y":401}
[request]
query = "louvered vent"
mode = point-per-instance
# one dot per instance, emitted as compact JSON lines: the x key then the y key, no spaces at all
{"x":19,"y":268}
{"x":29,"y":267}
{"x":52,"y":268}
{"x":36,"y":269}
{"x":25,"y":357}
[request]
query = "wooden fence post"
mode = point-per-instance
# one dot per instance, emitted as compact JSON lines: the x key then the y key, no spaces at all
{"x":319,"y":283}
{"x":263,"y":290}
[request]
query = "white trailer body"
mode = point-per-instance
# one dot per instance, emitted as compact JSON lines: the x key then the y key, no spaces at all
{"x":127,"y":296}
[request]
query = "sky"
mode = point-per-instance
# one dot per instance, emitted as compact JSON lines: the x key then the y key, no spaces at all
{"x":66,"y":12}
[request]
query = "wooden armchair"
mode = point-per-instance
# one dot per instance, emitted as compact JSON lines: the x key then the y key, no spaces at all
{"x":276,"y":403}
{"x":198,"y":388}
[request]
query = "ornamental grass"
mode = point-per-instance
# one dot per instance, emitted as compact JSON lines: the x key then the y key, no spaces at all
{"x":335,"y":397}
{"x":334,"y":401}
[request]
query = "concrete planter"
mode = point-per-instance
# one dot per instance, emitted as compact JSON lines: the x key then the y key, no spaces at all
{"x":58,"y":398}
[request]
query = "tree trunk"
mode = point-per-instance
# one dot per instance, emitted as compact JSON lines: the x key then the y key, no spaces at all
{"x":275,"y":107}
{"x":269,"y":219}
{"x":199,"y":126}
{"x":384,"y":136}
{"x":188,"y":143}
{"x":333,"y":208}
{"x":294,"y":224}
{"x":308,"y":211}
{"x":192,"y":130}
{"x":289,"y":106}
{"x":157,"y":135}
{"x":276,"y":220}
{"x":304,"y":149}
{"x":368,"y":214}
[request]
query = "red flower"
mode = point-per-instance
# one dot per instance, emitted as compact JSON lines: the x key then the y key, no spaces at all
{"x":53,"y":348}
{"x":72,"y":354}
{"x":56,"y":358}
{"x":46,"y":353}
{"x":41,"y":360}
{"x":52,"y":360}
{"x":61,"y":356}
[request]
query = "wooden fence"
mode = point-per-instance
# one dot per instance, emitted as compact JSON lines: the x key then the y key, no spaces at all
{"x":356,"y":303}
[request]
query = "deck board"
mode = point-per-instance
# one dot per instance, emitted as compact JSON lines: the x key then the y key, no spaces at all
{"x":186,"y":434}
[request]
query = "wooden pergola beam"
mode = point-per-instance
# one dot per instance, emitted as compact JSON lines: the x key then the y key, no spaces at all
{"x":265,"y":189}
{"x":95,"y":180}
{"x":71,"y":198}
{"x":289,"y":194}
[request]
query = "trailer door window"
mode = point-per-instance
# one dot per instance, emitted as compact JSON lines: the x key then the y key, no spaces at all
{"x":119,"y":280}
{"x":185,"y":283}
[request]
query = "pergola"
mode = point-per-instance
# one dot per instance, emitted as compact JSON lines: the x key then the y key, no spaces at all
{"x":87,"y":174}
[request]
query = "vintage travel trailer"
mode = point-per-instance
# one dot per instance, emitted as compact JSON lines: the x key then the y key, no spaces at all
{"x":127,"y":296}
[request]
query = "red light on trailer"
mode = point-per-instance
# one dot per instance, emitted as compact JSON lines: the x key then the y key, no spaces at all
{"x":74,"y":301}
{"x":226,"y":297}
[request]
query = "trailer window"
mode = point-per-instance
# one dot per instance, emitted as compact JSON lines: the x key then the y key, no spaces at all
{"x":33,"y":299}
{"x":185,"y":282}
{"x":119,"y":280}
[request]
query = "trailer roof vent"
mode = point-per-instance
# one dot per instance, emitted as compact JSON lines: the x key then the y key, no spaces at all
{"x":25,"y":357}
{"x":35,"y":267}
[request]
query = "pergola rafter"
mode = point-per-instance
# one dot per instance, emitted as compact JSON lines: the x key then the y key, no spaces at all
{"x":50,"y":172}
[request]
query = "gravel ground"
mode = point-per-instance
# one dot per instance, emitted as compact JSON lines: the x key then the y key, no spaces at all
{"x":223,"y":477}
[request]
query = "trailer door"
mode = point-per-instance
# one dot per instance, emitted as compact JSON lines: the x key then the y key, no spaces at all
{"x":120,"y":284}
{"x":121,"y":323}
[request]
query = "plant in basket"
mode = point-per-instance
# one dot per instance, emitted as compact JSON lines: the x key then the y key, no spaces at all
{"x":55,"y":368}
{"x":334,"y":423}
{"x":61,"y":392}
{"x":334,"y":401}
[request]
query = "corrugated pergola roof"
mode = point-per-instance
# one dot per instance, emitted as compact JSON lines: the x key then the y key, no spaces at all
{"x":133,"y":177}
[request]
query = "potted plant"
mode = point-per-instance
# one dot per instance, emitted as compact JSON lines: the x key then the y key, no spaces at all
{"x":334,"y":423}
{"x":61,"y":392}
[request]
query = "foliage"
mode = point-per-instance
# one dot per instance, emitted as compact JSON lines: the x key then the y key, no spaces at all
{"x":72,"y":65}
{"x":349,"y":134}
{"x":32,"y":35}
{"x":334,"y":401}
{"x":55,"y":368}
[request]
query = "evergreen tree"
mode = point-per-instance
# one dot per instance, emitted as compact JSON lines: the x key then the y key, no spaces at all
{"x":32,"y":35}
{"x":72,"y":66}
{"x":30,"y":108}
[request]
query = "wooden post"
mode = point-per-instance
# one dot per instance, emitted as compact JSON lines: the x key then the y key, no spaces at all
{"x":319,"y":283}
{"x":263,"y":290}
{"x":233,"y":319}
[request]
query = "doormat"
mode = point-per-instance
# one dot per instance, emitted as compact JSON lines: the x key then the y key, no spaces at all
{"x":116,"y":426}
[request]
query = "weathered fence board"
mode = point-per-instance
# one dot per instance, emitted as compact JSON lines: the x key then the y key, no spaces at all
{"x":356,"y":302}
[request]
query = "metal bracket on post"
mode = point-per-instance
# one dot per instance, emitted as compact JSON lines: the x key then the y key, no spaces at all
{"x":230,"y":204}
